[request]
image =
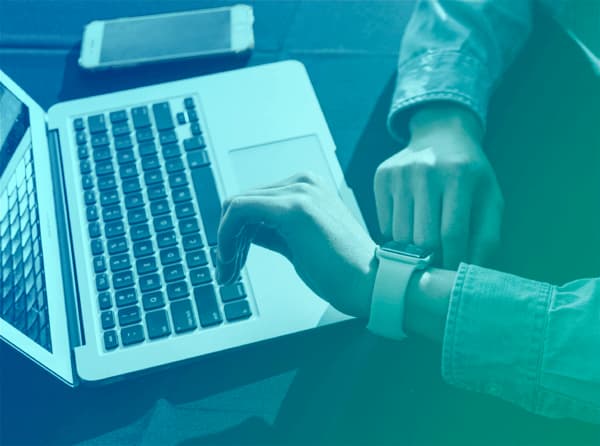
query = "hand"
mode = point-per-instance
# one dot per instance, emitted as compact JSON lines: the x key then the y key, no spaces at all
{"x":308,"y":224}
{"x":440,"y":192}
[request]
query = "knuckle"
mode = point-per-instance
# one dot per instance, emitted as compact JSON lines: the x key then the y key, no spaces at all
{"x":308,"y":177}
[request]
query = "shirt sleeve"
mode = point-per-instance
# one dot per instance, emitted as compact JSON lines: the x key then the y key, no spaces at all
{"x":456,"y":51}
{"x":527,"y":342}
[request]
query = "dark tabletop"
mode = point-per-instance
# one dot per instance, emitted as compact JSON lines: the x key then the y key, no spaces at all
{"x":334,"y":385}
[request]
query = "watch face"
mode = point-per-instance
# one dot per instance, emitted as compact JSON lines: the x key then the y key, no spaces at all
{"x":407,"y":249}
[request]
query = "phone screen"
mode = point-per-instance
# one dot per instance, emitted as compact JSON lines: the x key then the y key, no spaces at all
{"x":161,"y":37}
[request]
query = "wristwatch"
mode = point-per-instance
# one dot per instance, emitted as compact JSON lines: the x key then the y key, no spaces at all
{"x":397,"y":264}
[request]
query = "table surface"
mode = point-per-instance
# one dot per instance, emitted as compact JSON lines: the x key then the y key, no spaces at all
{"x":334,"y":385}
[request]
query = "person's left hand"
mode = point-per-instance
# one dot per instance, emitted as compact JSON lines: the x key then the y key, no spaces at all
{"x":309,"y":224}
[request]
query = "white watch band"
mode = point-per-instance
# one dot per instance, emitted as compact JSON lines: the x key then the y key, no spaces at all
{"x":389,"y":292}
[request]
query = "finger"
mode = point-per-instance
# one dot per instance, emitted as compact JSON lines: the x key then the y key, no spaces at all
{"x":456,"y":214}
{"x":403,"y":211}
{"x":427,"y":215}
{"x":487,"y":222}
{"x":384,"y":205}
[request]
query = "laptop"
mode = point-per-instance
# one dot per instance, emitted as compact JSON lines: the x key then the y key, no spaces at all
{"x":109,"y":210}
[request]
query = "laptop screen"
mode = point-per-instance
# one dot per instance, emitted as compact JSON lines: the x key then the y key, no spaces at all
{"x":14,"y":123}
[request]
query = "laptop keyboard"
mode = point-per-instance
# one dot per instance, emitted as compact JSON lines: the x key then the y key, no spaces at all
{"x":153,"y":212}
{"x":23,"y":302}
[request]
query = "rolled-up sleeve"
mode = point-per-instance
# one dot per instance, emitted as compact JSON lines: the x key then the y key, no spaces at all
{"x":456,"y":51}
{"x":527,"y":342}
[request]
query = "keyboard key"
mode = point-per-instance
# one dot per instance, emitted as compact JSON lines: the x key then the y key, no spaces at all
{"x":121,"y":129}
{"x":153,"y":176}
{"x":198,"y":159}
{"x":107,"y":182}
{"x":207,"y":306}
{"x":143,"y":248}
{"x":117,"y":245}
{"x":109,"y":197}
{"x":114,"y":229}
{"x":104,"y":168}
{"x":166,"y":239}
{"x":184,"y":210}
{"x":153,"y":300}
{"x":146,"y":265}
{"x":97,"y":247}
{"x":125,"y":156}
{"x":157,"y":324}
{"x":171,"y":150}
{"x":237,"y":310}
{"x":129,"y":315}
{"x":159,"y":207}
{"x":178,"y":179}
{"x":189,"y":103}
{"x":85,"y":167}
{"x":83,"y":152}
{"x":182,"y":194}
{"x":80,"y":138}
{"x":99,"y":264}
{"x":110,"y":340}
{"x":144,"y":135}
{"x":131,"y":185}
{"x":111,"y":213}
{"x":208,"y":201}
{"x":108,"y":320}
{"x":87,"y":181}
{"x":181,"y":118}
{"x":157,"y":192}
{"x":120,"y":262}
{"x":134,"y":200}
{"x":195,"y":128}
{"x":173,"y":273}
{"x":99,"y":140}
{"x":189,"y":226}
{"x":232,"y":292}
{"x":174,"y":165}
{"x":123,"y":142}
{"x":102,"y":283}
{"x":150,"y":282}
{"x":126,"y":297}
{"x":104,"y":300}
{"x":163,"y":223}
{"x":102,"y":154}
{"x":167,"y":138}
{"x":147,"y":148}
{"x":169,"y":255}
{"x":135,"y":216}
{"x":192,"y":116}
{"x":162,"y":116}
{"x":123,"y":279}
{"x":128,"y":171}
{"x":78,"y":124}
{"x":118,"y":116}
{"x":192,"y":242}
{"x":94,"y":229}
{"x":97,"y":124}
{"x":194,"y":143}
{"x":177,"y":290}
{"x":139,"y":232}
{"x":200,"y":276}
{"x":140,"y":117}
{"x":150,"y":162}
{"x":89,"y":197}
{"x":183,"y":316}
{"x":132,"y":335}
{"x":196,"y":258}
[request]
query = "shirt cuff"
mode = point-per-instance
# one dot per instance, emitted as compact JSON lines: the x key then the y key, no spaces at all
{"x":442,"y":75}
{"x":494,"y":338}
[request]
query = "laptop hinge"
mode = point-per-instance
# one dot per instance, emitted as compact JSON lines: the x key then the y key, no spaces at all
{"x":72,"y":303}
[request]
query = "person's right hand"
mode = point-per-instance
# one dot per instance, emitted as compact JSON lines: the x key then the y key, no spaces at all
{"x":440,"y":192}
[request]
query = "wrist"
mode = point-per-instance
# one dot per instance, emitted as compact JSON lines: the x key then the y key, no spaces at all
{"x":445,"y":119}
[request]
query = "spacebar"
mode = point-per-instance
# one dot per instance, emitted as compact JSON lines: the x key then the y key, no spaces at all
{"x":208,"y":201}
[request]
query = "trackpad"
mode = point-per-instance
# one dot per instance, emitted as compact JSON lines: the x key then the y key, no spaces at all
{"x":266,"y":164}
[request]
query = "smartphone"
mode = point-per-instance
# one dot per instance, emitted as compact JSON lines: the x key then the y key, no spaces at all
{"x":163,"y":37}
